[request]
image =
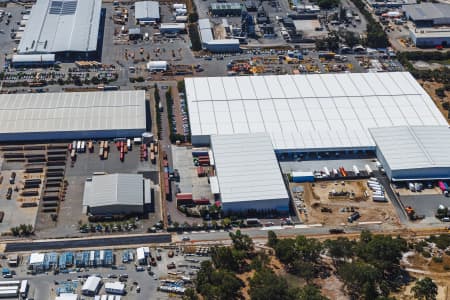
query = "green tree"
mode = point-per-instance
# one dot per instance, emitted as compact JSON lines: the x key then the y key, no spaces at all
{"x":193,"y":17}
{"x":309,"y":292}
{"x":217,"y":284}
{"x":272,"y":239}
{"x":241,"y":241}
{"x":303,"y":269}
{"x":190,"y":294}
{"x":327,"y":4}
{"x":340,"y":248}
{"x":357,"y":275}
{"x":308,"y":249}
{"x":425,"y":289}
{"x":351,"y":39}
{"x":265,"y":284}
{"x":284,"y":250}
{"x":227,"y":258}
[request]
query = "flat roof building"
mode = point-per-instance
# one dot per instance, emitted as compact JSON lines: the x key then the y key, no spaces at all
{"x":308,"y":113}
{"x":146,"y":11}
{"x":71,"y":29}
{"x":116,"y":194}
{"x":213,"y":45}
{"x":62,"y":116}
{"x":428,"y":14}
{"x":248,"y":174}
{"x":91,"y":286}
{"x":226,"y":9}
{"x":415,"y":152}
{"x":429,"y":37}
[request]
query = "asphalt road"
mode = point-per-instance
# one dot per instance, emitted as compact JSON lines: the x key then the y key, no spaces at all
{"x":86,"y":243}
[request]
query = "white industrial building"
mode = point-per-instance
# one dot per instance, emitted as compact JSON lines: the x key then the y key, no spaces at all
{"x":117,"y":288}
{"x":157,"y":66}
{"x":248,"y":173}
{"x":116,"y":194}
{"x":91,"y":286}
{"x":215,"y":45}
{"x":146,"y":12}
{"x":63,"y":116}
{"x":71,"y":29}
{"x":141,"y":255}
{"x":414,"y":153}
{"x":67,"y":296}
{"x":308,"y":113}
{"x":33,"y":60}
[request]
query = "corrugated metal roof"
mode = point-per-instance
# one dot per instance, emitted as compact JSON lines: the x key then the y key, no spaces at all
{"x":21,"y":113}
{"x":427,"y":11}
{"x":247,"y":168}
{"x":146,"y":10}
{"x":62,"y":25}
{"x":326,"y":111}
{"x":414,"y":147}
{"x":114,"y":189}
{"x":91,"y":284}
{"x":225,"y":6}
{"x":205,"y":28}
{"x":224,"y":42}
{"x":19,"y":58}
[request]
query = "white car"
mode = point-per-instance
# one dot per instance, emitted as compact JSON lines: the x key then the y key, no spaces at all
{"x":186,"y":238}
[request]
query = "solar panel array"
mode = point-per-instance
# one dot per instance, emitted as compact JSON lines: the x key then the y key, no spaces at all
{"x":58,"y":7}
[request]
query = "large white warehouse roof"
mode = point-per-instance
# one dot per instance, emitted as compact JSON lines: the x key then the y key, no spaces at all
{"x":247,"y":169}
{"x":69,"y":112}
{"x":62,"y":25}
{"x":320,"y":111}
{"x":414,"y":147}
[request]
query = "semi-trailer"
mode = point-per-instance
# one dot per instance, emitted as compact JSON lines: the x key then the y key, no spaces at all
{"x":368,"y":170}
{"x":355,"y":170}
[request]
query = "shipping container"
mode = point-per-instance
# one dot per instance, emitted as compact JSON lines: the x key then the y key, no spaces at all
{"x":78,"y":146}
{"x":355,"y":170}
{"x":129,"y":145}
{"x":83,"y":146}
{"x":326,"y":171}
{"x":100,"y":152}
{"x":377,"y":198}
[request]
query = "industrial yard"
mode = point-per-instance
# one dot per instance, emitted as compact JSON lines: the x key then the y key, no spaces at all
{"x":331,"y":203}
{"x":134,"y":273}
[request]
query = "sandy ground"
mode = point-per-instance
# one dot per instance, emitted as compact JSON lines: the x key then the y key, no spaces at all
{"x":430,"y":87}
{"x":317,"y":197}
{"x":419,"y":267}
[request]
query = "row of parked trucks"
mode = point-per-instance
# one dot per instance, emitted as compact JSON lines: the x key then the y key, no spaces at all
{"x":342,"y":172}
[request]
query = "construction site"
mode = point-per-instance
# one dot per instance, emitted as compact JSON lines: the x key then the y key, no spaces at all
{"x":338,"y":203}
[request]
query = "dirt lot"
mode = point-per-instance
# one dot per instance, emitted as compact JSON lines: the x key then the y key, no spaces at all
{"x":317,"y":197}
{"x":419,"y":267}
{"x":431,"y":87}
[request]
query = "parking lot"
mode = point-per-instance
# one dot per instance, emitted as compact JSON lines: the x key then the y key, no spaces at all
{"x":427,"y":205}
{"x":44,"y":286}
